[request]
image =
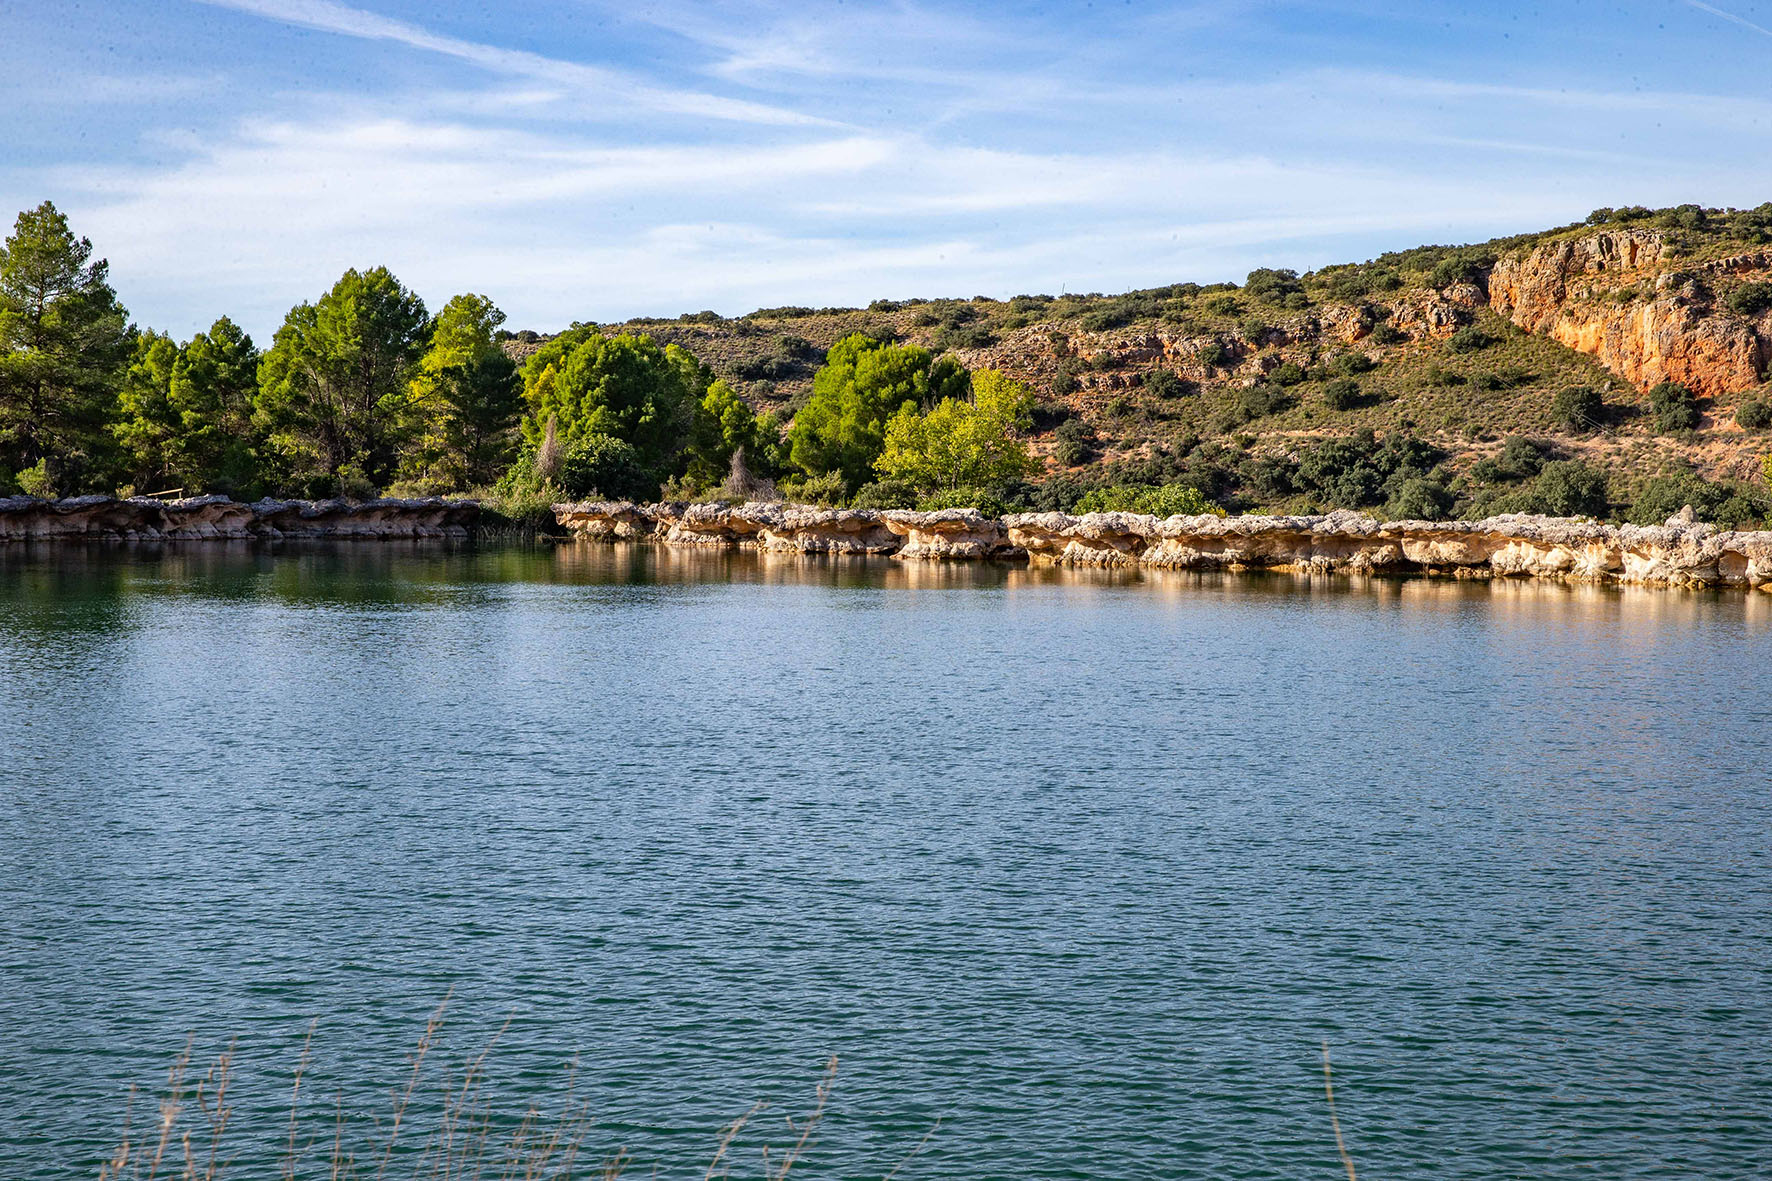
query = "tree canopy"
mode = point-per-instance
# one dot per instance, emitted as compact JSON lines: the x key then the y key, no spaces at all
{"x":463,"y":401}
{"x":333,"y":387}
{"x":624,"y":387}
{"x":64,"y":343}
{"x":864,"y":382}
{"x":962,"y":443}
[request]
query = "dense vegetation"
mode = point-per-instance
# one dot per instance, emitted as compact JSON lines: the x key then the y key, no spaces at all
{"x":1066,"y":404}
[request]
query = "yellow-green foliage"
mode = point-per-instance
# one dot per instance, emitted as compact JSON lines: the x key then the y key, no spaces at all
{"x":961,"y":444}
{"x":1165,"y":500}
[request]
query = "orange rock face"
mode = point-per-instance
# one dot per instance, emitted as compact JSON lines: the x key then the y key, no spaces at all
{"x":1586,"y":294}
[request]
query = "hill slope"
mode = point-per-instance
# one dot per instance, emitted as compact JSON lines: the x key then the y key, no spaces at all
{"x":1460,"y":347}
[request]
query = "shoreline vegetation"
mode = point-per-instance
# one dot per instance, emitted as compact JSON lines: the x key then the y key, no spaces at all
{"x":1615,"y":369}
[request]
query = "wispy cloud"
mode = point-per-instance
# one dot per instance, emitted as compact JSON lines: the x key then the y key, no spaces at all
{"x":1729,"y":16}
{"x":611,"y":86}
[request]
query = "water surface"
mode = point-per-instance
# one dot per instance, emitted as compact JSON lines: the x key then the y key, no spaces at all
{"x":1086,"y":865}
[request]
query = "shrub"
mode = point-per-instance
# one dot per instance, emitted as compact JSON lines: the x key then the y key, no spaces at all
{"x":1578,"y":409}
{"x":1272,"y":286}
{"x":1420,"y":499}
{"x":607,"y":467}
{"x":1286,"y":373}
{"x":1387,"y":334}
{"x":1674,"y":407}
{"x":1211,"y":354}
{"x":1662,"y":497}
{"x":1259,"y":401}
{"x":36,"y":481}
{"x":827,"y":490}
{"x":1075,"y":442}
{"x":1164,"y":383}
{"x":1350,"y":364}
{"x":985,"y":500}
{"x":1754,"y":415}
{"x":1571,"y":488}
{"x":1750,"y":299}
{"x":1469,"y":339}
{"x":1165,"y":500}
{"x":1104,"y":319}
{"x":1342,"y":394}
{"x":1520,"y":459}
{"x":884,"y":494}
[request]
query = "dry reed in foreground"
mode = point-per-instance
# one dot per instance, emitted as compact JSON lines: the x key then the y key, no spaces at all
{"x":452,"y":1133}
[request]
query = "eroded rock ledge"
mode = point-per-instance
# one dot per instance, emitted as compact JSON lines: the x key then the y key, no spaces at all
{"x":1680,"y":553}
{"x":105,"y":518}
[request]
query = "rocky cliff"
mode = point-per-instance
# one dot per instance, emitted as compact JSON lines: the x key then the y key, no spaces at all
{"x":106,"y":518}
{"x":1679,"y":553}
{"x":1620,"y":297}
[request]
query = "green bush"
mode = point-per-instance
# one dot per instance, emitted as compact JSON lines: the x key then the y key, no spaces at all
{"x":1572,"y":488}
{"x":1164,"y":383}
{"x":1387,"y":334}
{"x":1272,"y":286}
{"x":1286,"y":373}
{"x":1750,"y":299}
{"x":884,"y":494}
{"x":1754,"y":415}
{"x":1720,"y":502}
{"x":985,"y":500}
{"x":1350,"y":364}
{"x":1075,"y":442}
{"x":1578,"y":409}
{"x":1674,"y":407}
{"x":1469,"y":339}
{"x":1520,"y":459}
{"x":1361,"y":470}
{"x":1211,"y":354}
{"x":1419,"y":499}
{"x":1342,"y":394}
{"x":36,"y":481}
{"x":1165,"y":500}
{"x":827,"y":490}
{"x":1261,"y":400}
{"x":607,"y":467}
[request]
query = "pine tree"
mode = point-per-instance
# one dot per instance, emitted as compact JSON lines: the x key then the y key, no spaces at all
{"x":64,"y":346}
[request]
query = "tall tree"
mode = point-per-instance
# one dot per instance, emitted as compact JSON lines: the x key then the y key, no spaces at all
{"x":185,"y":413}
{"x":962,"y":443}
{"x":333,"y":387}
{"x":863,"y":383}
{"x":464,"y":400}
{"x":64,"y":346}
{"x":621,"y":387}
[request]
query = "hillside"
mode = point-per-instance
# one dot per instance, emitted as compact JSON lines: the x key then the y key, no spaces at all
{"x":1458,"y":347}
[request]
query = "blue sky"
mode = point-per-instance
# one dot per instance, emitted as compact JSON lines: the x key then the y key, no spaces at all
{"x":580,"y":160}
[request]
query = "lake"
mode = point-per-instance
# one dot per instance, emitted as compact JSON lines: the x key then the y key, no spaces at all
{"x":1086,"y":866}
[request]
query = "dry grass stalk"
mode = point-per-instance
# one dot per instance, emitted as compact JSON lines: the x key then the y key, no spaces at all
{"x":455,"y":1136}
{"x":1335,"y":1123}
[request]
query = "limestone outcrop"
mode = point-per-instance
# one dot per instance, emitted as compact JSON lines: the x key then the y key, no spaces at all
{"x":1679,"y":553}
{"x":201,"y":518}
{"x":1590,"y":295}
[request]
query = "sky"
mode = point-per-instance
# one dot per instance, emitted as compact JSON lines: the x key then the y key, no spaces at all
{"x":576,"y":160}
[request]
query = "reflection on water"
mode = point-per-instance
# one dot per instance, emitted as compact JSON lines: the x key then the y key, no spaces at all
{"x":1085,"y":862}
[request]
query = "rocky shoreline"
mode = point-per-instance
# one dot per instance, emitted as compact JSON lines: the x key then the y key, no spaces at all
{"x":212,"y":518}
{"x":1680,"y":553}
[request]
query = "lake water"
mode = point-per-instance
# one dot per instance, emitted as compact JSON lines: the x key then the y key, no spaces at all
{"x":1086,"y":866}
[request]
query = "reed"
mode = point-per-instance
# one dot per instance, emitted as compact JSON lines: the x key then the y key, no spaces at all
{"x":440,"y":1125}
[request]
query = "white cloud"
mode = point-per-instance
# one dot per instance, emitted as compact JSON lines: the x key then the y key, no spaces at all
{"x":614,"y":87}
